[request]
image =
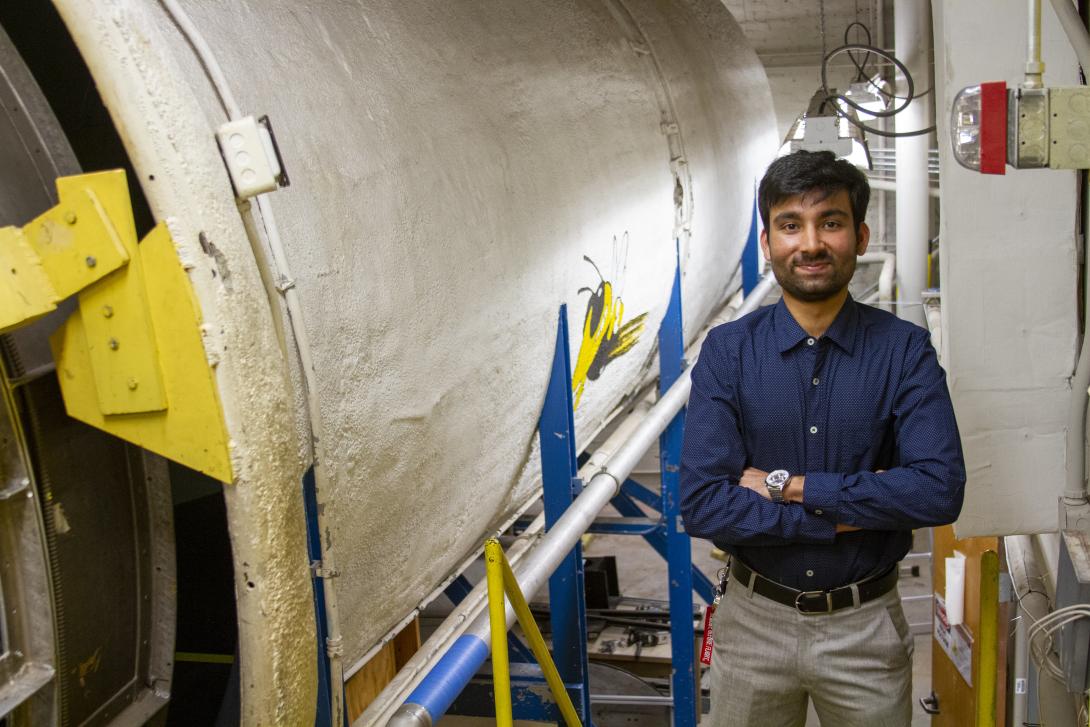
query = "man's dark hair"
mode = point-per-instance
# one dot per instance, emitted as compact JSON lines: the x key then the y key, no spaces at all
{"x":802,"y":172}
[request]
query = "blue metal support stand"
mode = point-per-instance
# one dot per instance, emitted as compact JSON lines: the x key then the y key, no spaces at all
{"x":679,"y":556}
{"x":631,"y":524}
{"x":751,"y":254}
{"x":559,"y":468}
{"x":323,"y":715}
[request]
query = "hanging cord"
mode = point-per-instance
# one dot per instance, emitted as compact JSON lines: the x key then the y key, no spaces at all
{"x":911,"y":87}
{"x":860,"y":68}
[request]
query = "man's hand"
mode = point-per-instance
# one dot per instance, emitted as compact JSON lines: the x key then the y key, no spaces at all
{"x":754,"y":479}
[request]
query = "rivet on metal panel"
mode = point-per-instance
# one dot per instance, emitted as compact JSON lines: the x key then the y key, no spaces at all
{"x":113,"y":344}
{"x":91,"y":262}
{"x":108,"y":311}
{"x":70,"y":217}
{"x":133,"y":383}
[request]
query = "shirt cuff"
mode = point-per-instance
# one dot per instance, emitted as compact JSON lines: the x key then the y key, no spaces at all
{"x":821,"y":494}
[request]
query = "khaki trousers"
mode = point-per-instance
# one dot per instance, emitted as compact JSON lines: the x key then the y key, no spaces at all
{"x":855,"y":664}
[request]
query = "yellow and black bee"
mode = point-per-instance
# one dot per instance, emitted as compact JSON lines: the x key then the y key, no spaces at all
{"x":605,"y":334}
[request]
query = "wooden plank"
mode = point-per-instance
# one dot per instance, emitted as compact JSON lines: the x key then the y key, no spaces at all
{"x":365,"y":685}
{"x":407,"y":643}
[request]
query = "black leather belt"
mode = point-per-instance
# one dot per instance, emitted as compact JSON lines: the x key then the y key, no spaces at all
{"x":854,"y":594}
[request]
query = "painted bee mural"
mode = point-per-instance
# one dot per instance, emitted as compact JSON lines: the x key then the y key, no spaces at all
{"x":605,"y":334}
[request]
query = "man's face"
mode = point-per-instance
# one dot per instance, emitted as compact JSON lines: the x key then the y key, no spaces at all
{"x":812,"y":244}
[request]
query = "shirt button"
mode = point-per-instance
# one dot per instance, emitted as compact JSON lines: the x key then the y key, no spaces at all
{"x":809,"y":342}
{"x":813,"y":430}
{"x":819,"y":511}
{"x":816,"y":381}
{"x":810,"y":573}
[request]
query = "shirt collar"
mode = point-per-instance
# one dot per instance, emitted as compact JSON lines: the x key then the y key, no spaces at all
{"x":842,"y":331}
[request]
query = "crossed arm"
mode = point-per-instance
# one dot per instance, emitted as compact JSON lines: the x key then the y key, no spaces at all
{"x":754,"y":479}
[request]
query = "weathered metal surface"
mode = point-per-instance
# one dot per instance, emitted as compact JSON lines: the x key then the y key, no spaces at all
{"x":458,"y":171}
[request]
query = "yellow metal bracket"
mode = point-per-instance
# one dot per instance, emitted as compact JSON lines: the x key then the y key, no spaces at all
{"x":130,"y":360}
{"x":500,"y":581}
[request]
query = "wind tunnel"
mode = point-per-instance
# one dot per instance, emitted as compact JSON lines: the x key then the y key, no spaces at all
{"x":458,"y":171}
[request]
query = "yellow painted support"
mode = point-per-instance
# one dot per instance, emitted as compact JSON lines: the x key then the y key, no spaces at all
{"x":497,"y":616}
{"x":988,"y":654}
{"x":120,"y":334}
{"x":496,"y":560}
{"x":59,"y":253}
{"x":191,"y":430}
{"x":130,"y":360}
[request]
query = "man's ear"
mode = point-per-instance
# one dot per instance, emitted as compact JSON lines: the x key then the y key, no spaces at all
{"x":764,"y":245}
{"x":864,"y":239}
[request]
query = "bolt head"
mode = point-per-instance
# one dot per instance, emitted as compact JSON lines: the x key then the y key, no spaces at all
{"x":108,"y":311}
{"x":91,"y":261}
{"x":133,"y":383}
{"x":113,"y":344}
{"x":70,"y":217}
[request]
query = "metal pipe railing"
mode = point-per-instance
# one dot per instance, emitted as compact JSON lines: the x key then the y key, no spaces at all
{"x":1035,"y":69}
{"x":434,"y":695}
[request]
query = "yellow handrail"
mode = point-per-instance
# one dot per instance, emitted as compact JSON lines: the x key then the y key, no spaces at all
{"x":988,"y":654}
{"x":500,"y":581}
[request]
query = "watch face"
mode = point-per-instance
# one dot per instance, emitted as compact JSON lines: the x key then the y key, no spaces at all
{"x":777,"y":478}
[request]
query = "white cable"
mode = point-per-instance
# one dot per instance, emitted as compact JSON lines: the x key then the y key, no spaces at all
{"x":207,"y":58}
{"x":1045,"y":629}
{"x":285,"y":284}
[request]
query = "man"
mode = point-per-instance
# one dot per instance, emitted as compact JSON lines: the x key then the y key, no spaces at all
{"x":819,"y":433}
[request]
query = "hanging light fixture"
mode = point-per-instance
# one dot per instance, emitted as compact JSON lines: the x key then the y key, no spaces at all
{"x":871,"y":95}
{"x":825,"y":126}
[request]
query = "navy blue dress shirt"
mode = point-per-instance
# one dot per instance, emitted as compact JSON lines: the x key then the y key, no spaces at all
{"x":868,"y":395}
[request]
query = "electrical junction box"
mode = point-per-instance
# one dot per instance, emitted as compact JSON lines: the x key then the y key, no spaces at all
{"x":1073,"y":587}
{"x":1069,"y":127}
{"x":1027,"y":128}
{"x":1049,"y":127}
{"x":253,"y":159}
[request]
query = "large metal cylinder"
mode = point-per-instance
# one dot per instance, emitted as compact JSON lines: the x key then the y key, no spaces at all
{"x":458,"y":171}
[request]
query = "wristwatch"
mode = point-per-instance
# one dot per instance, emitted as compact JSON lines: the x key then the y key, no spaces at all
{"x":775,"y":482}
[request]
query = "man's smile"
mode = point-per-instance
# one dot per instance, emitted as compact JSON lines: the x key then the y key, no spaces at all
{"x":813,"y":266}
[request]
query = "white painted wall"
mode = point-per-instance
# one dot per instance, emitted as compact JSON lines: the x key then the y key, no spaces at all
{"x":1010,"y":293}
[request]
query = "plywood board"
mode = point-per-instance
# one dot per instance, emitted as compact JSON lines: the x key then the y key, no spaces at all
{"x":364,"y":686}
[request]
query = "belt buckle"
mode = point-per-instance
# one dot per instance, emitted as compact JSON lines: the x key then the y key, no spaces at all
{"x":824,"y":598}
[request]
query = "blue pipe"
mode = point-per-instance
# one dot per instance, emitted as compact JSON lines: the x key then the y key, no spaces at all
{"x":433,"y":696}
